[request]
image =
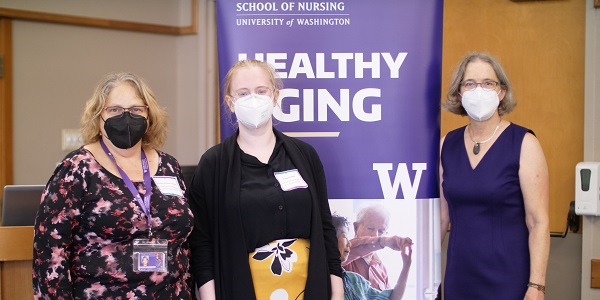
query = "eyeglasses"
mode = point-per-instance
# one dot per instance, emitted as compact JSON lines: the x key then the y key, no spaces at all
{"x":486,"y":84}
{"x":114,"y":111}
{"x":261,"y":91}
{"x":373,"y":230}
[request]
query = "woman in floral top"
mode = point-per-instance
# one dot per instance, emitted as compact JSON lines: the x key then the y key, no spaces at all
{"x":96,"y":219}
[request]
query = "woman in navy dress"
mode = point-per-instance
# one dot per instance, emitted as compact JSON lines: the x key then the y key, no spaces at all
{"x":493,"y":190}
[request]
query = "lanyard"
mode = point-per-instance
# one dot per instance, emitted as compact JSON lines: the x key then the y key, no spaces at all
{"x":145,"y":202}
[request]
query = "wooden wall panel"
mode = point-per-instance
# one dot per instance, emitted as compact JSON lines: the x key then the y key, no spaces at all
{"x":16,"y":253}
{"x":541,"y":46}
{"x":16,"y":280}
{"x":6,"y":128}
{"x":595,"y":280}
{"x":109,"y":22}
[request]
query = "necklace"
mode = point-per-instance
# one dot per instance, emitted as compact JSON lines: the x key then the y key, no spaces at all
{"x":476,"y":147}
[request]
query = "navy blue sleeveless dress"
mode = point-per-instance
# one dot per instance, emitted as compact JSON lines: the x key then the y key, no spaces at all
{"x":488,"y":252}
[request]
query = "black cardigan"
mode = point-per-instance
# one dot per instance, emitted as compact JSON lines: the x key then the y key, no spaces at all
{"x":217,"y":241}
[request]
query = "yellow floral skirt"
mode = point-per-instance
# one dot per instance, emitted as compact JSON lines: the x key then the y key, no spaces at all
{"x":279,"y":269}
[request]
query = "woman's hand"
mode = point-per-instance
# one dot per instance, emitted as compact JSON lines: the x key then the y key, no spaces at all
{"x":395,"y":242}
{"x":534,"y":294}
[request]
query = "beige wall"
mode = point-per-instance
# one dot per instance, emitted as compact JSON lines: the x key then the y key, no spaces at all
{"x":57,"y":66}
{"x":541,"y":46}
{"x":163,"y":12}
{"x":591,"y":225}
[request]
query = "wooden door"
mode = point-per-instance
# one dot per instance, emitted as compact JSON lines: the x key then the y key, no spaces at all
{"x":541,"y":46}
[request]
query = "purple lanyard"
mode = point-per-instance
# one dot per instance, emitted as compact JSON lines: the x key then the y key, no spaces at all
{"x":144,"y":203}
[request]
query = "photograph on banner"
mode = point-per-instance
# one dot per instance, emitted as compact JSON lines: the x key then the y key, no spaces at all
{"x":379,"y":224}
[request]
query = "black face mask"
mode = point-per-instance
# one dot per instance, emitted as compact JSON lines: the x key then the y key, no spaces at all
{"x":126,"y":130}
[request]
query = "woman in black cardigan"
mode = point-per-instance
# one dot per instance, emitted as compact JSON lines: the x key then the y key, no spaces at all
{"x":262,"y":219}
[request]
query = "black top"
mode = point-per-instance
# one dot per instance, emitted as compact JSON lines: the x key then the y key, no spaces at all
{"x":218,"y":242}
{"x":269,"y":213}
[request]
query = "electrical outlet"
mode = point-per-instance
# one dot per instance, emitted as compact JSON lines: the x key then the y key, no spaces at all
{"x":71,"y":139}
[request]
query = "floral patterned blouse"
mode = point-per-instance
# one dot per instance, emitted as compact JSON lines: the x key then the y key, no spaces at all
{"x":84,"y":232}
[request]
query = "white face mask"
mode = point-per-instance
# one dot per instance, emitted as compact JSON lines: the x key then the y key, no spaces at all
{"x":480,"y":104}
{"x":253,"y":110}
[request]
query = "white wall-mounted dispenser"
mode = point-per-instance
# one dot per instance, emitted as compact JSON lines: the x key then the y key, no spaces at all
{"x":587,"y":188}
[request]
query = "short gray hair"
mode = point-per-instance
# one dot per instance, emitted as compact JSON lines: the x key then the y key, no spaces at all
{"x":372,"y":209}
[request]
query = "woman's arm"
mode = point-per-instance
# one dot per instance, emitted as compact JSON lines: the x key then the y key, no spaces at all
{"x":398,"y":291}
{"x":362,"y":246}
{"x":444,"y":217}
{"x":533,"y":178}
{"x":337,"y":288}
{"x":200,"y":239}
{"x":207,"y":291}
{"x":332,"y":252}
{"x":54,"y":222}
{"x":365,"y":245}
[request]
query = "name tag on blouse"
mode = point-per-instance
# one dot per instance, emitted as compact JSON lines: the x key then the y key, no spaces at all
{"x":290,"y":180}
{"x":168,"y":185}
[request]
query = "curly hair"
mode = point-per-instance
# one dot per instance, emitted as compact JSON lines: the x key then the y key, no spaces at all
{"x":156,"y":134}
{"x":453,"y":99}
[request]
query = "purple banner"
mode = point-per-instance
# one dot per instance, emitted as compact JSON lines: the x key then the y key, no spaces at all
{"x":362,"y":85}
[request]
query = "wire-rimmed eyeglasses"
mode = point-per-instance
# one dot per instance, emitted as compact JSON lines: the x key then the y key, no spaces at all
{"x":114,"y":111}
{"x":489,"y":85}
{"x":261,"y":91}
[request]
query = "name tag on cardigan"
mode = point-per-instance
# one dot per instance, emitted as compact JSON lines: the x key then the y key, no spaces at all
{"x":290,"y":180}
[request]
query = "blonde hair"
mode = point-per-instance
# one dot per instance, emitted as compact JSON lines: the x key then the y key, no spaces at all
{"x":274,"y":79}
{"x":156,"y":134}
{"x":453,"y":102}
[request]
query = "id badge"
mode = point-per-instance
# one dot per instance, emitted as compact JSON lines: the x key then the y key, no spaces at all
{"x":149,"y":255}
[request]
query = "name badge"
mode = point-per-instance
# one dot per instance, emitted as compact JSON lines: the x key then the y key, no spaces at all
{"x":168,"y":185}
{"x":290,"y":180}
{"x":150,"y":255}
